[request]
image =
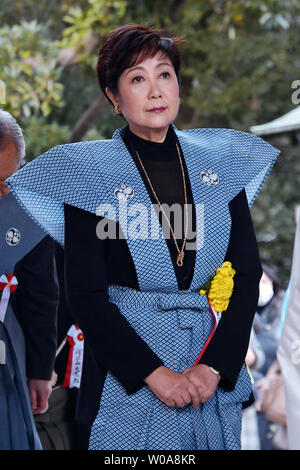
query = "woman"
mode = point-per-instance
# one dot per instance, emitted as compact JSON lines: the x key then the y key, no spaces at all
{"x":160,"y":379}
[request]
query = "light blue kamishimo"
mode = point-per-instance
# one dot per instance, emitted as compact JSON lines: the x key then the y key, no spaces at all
{"x":174,"y":323}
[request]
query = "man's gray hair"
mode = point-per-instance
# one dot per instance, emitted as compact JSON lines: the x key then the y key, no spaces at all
{"x":10,"y":131}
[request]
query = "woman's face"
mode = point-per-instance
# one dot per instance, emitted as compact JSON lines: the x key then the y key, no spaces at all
{"x":148,"y":97}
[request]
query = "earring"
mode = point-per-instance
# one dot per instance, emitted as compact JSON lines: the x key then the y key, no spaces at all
{"x":117,"y":109}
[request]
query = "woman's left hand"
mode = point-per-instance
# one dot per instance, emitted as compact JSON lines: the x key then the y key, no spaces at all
{"x":204,"y":379}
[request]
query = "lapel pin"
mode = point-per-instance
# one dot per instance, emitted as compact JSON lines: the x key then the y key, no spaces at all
{"x":124,"y":192}
{"x":13,"y":236}
{"x":209,"y":177}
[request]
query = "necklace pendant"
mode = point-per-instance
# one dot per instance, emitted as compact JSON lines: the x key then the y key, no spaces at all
{"x":180,"y":257}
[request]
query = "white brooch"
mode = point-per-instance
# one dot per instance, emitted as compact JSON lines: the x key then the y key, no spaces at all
{"x":124,"y":192}
{"x":209,"y":177}
{"x":13,"y":236}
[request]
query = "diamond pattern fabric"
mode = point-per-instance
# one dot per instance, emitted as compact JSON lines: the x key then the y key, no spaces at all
{"x":176,"y":327}
{"x":175,"y":324}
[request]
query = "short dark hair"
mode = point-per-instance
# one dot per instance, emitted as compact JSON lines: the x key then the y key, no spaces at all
{"x":129,"y":45}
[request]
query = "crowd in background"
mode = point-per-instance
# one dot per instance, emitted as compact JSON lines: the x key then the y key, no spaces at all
{"x":264,"y":423}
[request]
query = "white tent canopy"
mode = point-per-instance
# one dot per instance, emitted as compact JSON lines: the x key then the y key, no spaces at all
{"x":289,"y":122}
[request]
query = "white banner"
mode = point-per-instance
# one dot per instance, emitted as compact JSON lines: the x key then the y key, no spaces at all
{"x":8,"y":285}
{"x":75,"y":339}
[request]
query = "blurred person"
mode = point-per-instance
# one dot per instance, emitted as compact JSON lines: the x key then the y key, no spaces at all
{"x":250,"y":434}
{"x":166,"y":371}
{"x":289,"y":347}
{"x":261,"y":355}
{"x":58,"y":428}
{"x":267,"y":321}
{"x":28,"y":305}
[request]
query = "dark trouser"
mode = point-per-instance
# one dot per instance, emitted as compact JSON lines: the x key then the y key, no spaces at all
{"x":57,"y":428}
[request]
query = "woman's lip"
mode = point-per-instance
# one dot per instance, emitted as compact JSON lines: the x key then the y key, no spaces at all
{"x":156,"y":110}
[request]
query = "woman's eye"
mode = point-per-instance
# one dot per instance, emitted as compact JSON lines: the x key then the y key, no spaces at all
{"x":137,"y":79}
{"x":165,"y":74}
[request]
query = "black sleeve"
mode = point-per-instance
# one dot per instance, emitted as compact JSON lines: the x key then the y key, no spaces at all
{"x":115,"y":344}
{"x":35,"y":304}
{"x":65,"y":318}
{"x":227,"y":350}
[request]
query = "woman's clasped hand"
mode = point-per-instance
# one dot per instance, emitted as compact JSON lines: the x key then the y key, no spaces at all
{"x":194,"y":385}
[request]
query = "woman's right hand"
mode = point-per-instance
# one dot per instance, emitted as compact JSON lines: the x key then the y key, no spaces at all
{"x":172,"y":388}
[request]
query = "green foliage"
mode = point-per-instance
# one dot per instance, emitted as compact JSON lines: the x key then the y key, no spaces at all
{"x":41,"y":135}
{"x":90,"y":24}
{"x":99,"y":16}
{"x":28,"y":67}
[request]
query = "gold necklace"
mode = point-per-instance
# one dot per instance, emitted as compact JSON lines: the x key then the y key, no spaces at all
{"x":180,"y":255}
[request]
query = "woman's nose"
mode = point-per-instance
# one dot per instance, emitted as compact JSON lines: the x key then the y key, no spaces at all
{"x":154,"y":91}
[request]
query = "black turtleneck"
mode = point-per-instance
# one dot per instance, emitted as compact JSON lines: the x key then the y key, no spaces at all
{"x":161,"y":162}
{"x":92,"y":264}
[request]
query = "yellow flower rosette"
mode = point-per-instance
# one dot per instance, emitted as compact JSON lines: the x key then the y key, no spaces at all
{"x":220,"y":288}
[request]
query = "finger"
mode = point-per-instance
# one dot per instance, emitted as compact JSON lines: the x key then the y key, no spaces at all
{"x":43,"y":408}
{"x":48,"y":392}
{"x":41,"y":401}
{"x":179,"y":402}
{"x":186,"y":397}
{"x":33,"y":399}
{"x":169,"y":403}
{"x":203,"y":399}
{"x":195,"y":395}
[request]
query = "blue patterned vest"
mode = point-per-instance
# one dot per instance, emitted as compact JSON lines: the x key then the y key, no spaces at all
{"x":175,"y":324}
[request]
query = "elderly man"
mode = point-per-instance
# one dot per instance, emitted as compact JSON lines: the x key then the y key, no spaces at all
{"x":28,"y":306}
